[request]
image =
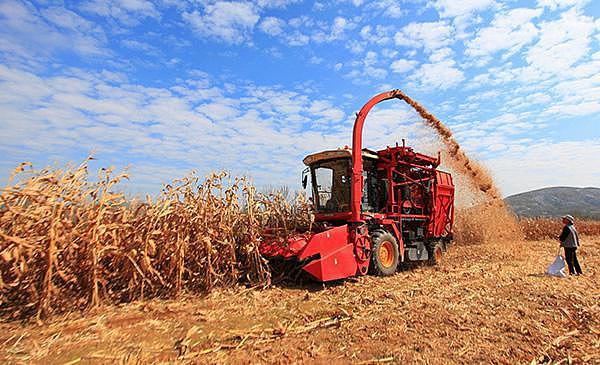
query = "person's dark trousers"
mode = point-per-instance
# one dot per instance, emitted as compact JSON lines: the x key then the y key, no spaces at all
{"x":571,"y":258}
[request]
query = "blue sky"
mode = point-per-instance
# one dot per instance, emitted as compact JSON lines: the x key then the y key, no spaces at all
{"x":167,"y":86}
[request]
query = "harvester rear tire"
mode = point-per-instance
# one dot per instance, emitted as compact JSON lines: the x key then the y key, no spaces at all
{"x":384,"y":254}
{"x":435,"y":254}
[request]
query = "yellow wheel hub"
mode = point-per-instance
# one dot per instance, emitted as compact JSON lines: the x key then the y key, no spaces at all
{"x":386,"y":254}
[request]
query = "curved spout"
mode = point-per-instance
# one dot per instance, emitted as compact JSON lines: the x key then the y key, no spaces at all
{"x":357,"y":165}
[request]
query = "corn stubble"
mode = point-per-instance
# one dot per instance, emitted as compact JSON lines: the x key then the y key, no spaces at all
{"x":69,"y":243}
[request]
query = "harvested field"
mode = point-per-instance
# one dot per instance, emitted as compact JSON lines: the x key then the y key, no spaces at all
{"x":179,"y":279}
{"x":485,"y":303}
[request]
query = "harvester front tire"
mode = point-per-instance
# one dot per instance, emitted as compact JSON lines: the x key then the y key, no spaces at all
{"x":384,"y":254}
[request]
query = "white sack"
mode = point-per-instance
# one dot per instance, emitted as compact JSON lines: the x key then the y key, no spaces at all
{"x":557,"y":268}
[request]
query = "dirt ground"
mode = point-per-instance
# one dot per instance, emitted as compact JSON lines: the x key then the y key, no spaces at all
{"x":489,"y":303}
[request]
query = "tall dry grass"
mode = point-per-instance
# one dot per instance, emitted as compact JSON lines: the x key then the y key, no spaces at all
{"x":69,"y":243}
{"x":547,"y":228}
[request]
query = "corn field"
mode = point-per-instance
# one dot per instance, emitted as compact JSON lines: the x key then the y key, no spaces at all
{"x":547,"y":228}
{"x":68,"y":243}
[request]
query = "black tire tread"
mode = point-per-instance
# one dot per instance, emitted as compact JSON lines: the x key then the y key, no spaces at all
{"x":430,"y":252}
{"x":374,"y":267}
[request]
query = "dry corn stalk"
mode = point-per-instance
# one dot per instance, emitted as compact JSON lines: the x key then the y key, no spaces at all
{"x":68,"y":243}
{"x":548,"y":228}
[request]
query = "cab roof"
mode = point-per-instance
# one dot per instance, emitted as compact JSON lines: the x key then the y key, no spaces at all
{"x":339,"y":153}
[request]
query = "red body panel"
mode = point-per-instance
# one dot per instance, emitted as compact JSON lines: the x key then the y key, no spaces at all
{"x":338,"y":264}
{"x":288,"y":250}
{"x":331,"y":252}
{"x":325,"y":243}
{"x":443,"y":219}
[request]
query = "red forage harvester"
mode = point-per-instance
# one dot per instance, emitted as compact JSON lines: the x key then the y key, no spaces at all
{"x":372,"y":210}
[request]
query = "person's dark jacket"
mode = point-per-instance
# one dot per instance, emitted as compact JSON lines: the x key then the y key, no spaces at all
{"x":569,"y":238}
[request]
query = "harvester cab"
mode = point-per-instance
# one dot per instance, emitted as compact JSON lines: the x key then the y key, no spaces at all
{"x":372,"y":209}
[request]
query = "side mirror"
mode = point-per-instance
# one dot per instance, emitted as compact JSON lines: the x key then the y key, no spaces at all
{"x":304,"y":178}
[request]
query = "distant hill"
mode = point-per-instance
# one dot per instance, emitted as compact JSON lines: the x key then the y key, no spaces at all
{"x":557,"y":201}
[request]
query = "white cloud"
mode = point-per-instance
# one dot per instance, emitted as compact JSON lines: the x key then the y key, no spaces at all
{"x":390,"y":8}
{"x":509,"y":123}
{"x":365,"y":32}
{"x":389,"y":53}
{"x":338,"y":27}
{"x":586,"y":85}
{"x":339,"y":24}
{"x":303,"y":20}
{"x":276,"y":3}
{"x":452,"y":8}
{"x":440,"y":75}
{"x":379,"y":34}
{"x":129,"y":12}
{"x":219,"y":110}
{"x":323,"y":32}
{"x":370,"y":58}
{"x":297,"y":39}
{"x":355,"y":46}
{"x":27,"y":33}
{"x":139,"y":6}
{"x":318,"y":6}
{"x":324,"y":109}
{"x":545,"y":164}
{"x":67,"y":19}
{"x":482,"y":96}
{"x":305,"y":29}
{"x":539,"y":98}
{"x":402,"y":65}
{"x":580,"y":109}
{"x":441,"y":72}
{"x":272,"y":26}
{"x":508,"y":31}
{"x":185,"y":125}
{"x":557,"y":4}
{"x":375,"y":72}
{"x":430,"y":36}
{"x":554,"y":90}
{"x":463,"y":14}
{"x":441,"y":54}
{"x":562,"y":43}
{"x":139,"y":46}
{"x":367,"y":69}
{"x":229,"y":21}
{"x":478,"y":81}
{"x":315,"y":60}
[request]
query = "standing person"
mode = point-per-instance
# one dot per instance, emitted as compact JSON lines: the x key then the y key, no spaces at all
{"x":569,"y":240}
